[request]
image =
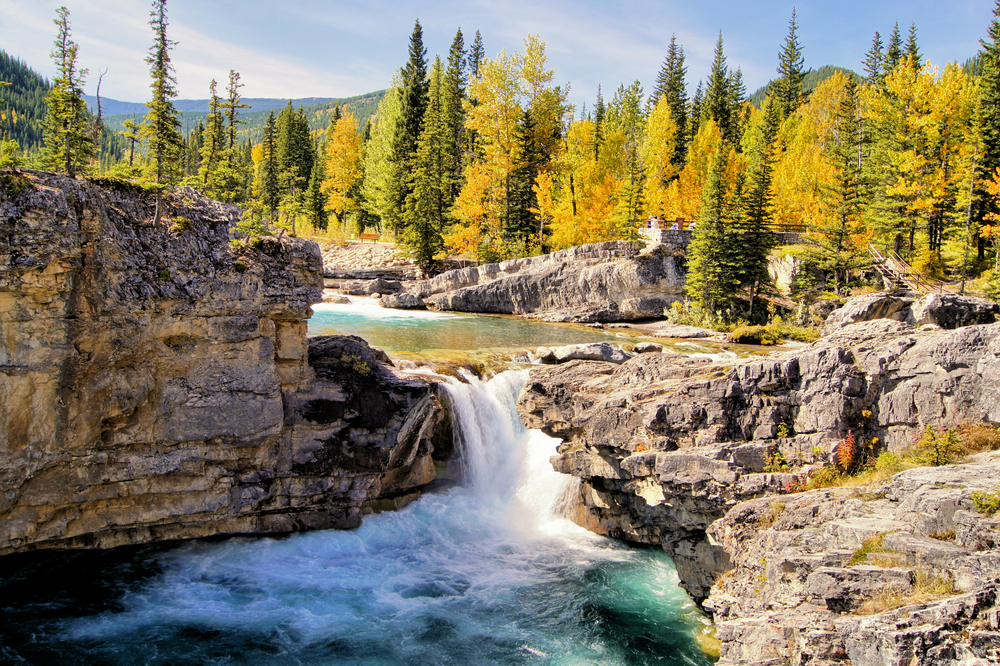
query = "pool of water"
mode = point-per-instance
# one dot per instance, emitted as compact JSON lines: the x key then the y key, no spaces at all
{"x":485,"y":573}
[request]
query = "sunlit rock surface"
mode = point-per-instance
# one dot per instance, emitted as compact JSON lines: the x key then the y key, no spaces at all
{"x":157,"y":383}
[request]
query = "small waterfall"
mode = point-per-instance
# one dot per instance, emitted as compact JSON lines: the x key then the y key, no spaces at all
{"x":504,"y":462}
{"x":483,"y":573}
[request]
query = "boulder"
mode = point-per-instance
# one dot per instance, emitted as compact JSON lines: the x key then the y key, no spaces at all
{"x":867,"y":308}
{"x":953,"y":311}
{"x":647,"y":347}
{"x":403,"y":301}
{"x":596,"y":351}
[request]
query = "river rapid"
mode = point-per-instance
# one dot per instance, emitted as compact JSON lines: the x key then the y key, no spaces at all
{"x":487,"y":572}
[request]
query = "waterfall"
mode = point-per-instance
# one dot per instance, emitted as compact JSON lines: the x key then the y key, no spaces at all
{"x":483,"y":573}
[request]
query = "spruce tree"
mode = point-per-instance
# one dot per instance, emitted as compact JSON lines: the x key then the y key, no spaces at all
{"x":453,"y":110}
{"x":600,"y":111}
{"x":427,"y":206}
{"x":989,"y":119}
{"x":476,"y":55}
{"x":68,"y":144}
{"x":162,"y":128}
{"x":894,"y":50}
{"x":671,"y":85}
{"x":213,"y":141}
{"x":232,"y":174}
{"x":414,"y":105}
{"x":751,"y":232}
{"x":836,"y":250}
{"x":788,"y":87}
{"x":694,"y":112}
{"x":912,"y":50}
{"x":874,"y":61}
{"x":522,"y":221}
{"x":712,"y":272}
{"x":718,"y":102}
{"x":269,"y":193}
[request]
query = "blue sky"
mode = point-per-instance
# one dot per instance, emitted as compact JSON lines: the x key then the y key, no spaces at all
{"x":337,"y":48}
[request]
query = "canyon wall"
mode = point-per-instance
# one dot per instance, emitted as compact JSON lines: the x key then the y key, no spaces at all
{"x":156,"y":381}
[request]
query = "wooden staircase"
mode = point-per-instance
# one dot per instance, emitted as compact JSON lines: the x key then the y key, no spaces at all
{"x":898,"y":275}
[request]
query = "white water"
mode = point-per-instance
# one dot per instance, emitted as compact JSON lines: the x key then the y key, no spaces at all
{"x":487,"y":573}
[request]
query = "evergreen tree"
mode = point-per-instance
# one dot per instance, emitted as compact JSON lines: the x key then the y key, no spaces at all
{"x":68,"y":144}
{"x":986,"y":206}
{"x":131,"y":133}
{"x":233,"y":172}
{"x":427,"y":205}
{"x":718,"y":102}
{"x":315,"y":199}
{"x":912,"y":50}
{"x":413,"y":107}
{"x":788,"y":87}
{"x":671,"y":85}
{"x":522,"y":221}
{"x":213,"y":142}
{"x":836,"y":236}
{"x":476,"y":55}
{"x":751,"y":231}
{"x":162,"y":128}
{"x":452,"y":108}
{"x":694,"y":113}
{"x":600,"y":111}
{"x":269,"y":193}
{"x":874,"y":61}
{"x":894,"y":50}
{"x":712,"y":274}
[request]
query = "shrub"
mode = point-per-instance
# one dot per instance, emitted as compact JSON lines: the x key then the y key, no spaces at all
{"x":936,"y":448}
{"x":775,"y":461}
{"x":181,"y":225}
{"x":987,"y":502}
{"x":240,"y":266}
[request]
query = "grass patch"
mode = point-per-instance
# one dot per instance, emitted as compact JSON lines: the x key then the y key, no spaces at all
{"x":987,"y":503}
{"x":927,"y":587}
{"x":869,"y":547}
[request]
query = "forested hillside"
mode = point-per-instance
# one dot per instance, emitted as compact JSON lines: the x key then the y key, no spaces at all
{"x":23,"y":109}
{"x":810,"y":81}
{"x":192,"y":112}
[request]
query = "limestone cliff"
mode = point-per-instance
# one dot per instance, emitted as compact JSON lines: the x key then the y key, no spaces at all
{"x":665,"y":446}
{"x":157,"y":383}
{"x":600,"y":282}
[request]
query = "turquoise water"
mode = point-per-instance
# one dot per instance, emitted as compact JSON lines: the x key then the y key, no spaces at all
{"x":427,"y":332}
{"x":484,"y":573}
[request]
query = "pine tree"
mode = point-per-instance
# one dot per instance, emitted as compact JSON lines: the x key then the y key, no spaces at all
{"x":452,"y":108}
{"x":718,"y":102}
{"x":269,"y":194}
{"x":986,"y":205}
{"x":522,"y":222}
{"x":162,"y":128}
{"x":711,"y":277}
{"x":751,"y":231}
{"x":214,"y":136}
{"x":68,"y":144}
{"x":694,"y":113}
{"x":671,"y":85}
{"x":836,"y":236}
{"x":912,"y":50}
{"x":600,"y":111}
{"x":427,"y":205}
{"x":476,"y":55}
{"x":894,"y":50}
{"x":874,"y":61}
{"x":788,"y":88}
{"x":231,"y":107}
{"x":414,"y":105}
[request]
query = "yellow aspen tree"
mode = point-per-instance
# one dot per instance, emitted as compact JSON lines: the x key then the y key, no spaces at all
{"x":658,"y":148}
{"x":683,"y":197}
{"x":343,"y":155}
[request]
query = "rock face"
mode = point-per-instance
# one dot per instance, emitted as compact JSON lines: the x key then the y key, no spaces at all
{"x":666,"y":445}
{"x":156,"y":384}
{"x":602,"y":282}
{"x":906,"y":576}
{"x":944,"y":310}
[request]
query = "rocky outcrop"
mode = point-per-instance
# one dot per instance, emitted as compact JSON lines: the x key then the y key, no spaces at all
{"x":602,"y":282}
{"x":665,"y":445}
{"x":908,"y":575}
{"x":157,"y":383}
{"x":944,"y":310}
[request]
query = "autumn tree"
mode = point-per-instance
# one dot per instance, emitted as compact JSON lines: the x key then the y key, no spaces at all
{"x":381,"y":171}
{"x":162,"y":128}
{"x":68,"y":144}
{"x":343,"y":155}
{"x":986,"y":206}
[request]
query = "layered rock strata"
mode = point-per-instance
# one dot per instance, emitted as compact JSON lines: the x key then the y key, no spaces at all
{"x":601,"y":282}
{"x":157,"y":383}
{"x":666,"y":445}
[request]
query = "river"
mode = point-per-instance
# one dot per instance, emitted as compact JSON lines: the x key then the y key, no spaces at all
{"x":484,"y":573}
